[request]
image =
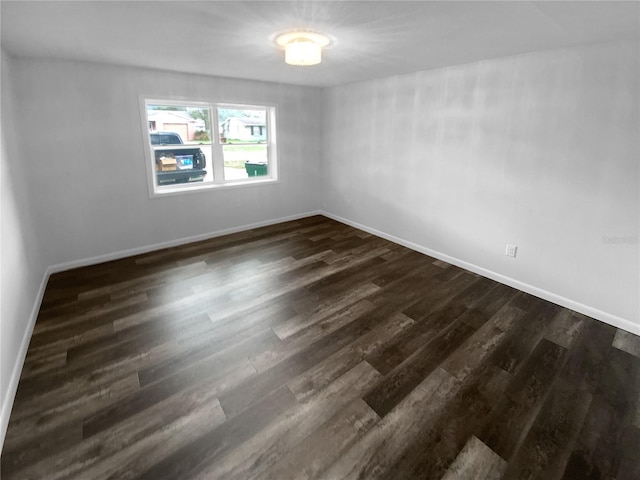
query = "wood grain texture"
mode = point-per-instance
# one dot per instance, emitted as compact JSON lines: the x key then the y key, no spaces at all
{"x":310,"y":349}
{"x":627,"y":342}
{"x":476,"y":461}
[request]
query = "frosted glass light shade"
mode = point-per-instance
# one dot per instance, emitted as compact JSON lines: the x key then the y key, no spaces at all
{"x":302,"y":48}
{"x":302,"y":52}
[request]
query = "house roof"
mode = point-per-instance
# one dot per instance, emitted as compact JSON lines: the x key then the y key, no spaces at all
{"x":252,"y":121}
{"x":171,"y":116}
{"x":247,"y":121}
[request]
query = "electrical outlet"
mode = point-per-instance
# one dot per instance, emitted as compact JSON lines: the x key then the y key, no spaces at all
{"x":511,"y":250}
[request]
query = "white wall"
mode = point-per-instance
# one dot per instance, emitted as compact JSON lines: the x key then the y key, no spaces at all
{"x":74,"y":185}
{"x":83,"y":138}
{"x":539,"y":150}
{"x":22,"y":265}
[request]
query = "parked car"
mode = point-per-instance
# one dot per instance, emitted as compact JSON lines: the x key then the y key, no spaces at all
{"x":165,"y":138}
{"x":175,"y":161}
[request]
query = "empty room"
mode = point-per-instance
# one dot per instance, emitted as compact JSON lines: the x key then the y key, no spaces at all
{"x":320,"y":240}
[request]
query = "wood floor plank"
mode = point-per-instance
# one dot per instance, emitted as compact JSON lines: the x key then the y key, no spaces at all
{"x":440,"y":318}
{"x":627,"y":342}
{"x":103,"y":366}
{"x":175,"y":277}
{"x":589,"y":353}
{"x":565,"y":328}
{"x":310,"y":349}
{"x":487,"y":306}
{"x":76,"y":305}
{"x":511,"y":417}
{"x":447,"y":434}
{"x":382,"y":446}
{"x":384,"y":272}
{"x":324,"y":310}
{"x":610,"y":413}
{"x":139,"y":337}
{"x":16,"y":456}
{"x":192,"y":458}
{"x":45,"y":421}
{"x":213,"y":351}
{"x":628,"y":459}
{"x":103,"y":314}
{"x":529,"y":332}
{"x":400,"y":381}
{"x":39,"y":366}
{"x":127,"y":463}
{"x":482,"y":343}
{"x":224,"y":378}
{"x":476,"y":461}
{"x":80,"y":391}
{"x":70,"y":338}
{"x":445,"y":438}
{"x":325,"y":445}
{"x":292,"y":427}
{"x":445,"y":286}
{"x":243,"y":396}
{"x":546,"y":448}
{"x":549,"y":443}
{"x":367,"y":460}
{"x":326,"y":371}
{"x":304,"y":338}
{"x":149,"y":436}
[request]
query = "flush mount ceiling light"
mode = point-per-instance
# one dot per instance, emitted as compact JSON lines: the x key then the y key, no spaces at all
{"x":302,"y":48}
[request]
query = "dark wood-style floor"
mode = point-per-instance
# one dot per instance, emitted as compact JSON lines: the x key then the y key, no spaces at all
{"x":310,"y":349}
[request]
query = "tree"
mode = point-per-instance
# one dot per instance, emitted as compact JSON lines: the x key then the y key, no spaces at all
{"x":201,"y":114}
{"x":167,"y":107}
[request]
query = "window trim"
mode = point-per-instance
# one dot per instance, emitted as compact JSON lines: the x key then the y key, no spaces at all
{"x":216,"y":163}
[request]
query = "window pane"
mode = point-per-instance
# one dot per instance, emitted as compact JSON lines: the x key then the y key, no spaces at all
{"x":180,"y":138}
{"x":242,"y":125}
{"x":188,"y":151}
{"x":243,"y":133}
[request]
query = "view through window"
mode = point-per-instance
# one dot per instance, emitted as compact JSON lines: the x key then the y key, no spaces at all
{"x":243,"y":134}
{"x":194,"y":145}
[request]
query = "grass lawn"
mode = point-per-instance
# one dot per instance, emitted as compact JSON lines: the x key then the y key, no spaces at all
{"x":235,"y":156}
{"x":234,"y":163}
{"x":244,"y":148}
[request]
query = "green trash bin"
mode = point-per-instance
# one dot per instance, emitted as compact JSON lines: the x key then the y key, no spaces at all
{"x":255,"y":169}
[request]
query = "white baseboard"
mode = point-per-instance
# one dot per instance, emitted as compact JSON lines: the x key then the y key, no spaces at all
{"x":605,"y":317}
{"x":10,"y":394}
{"x":60,"y":267}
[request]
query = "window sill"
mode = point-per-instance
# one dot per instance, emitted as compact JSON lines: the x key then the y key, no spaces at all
{"x":206,"y":187}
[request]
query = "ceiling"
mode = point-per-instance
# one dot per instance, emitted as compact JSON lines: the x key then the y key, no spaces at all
{"x":371,"y":39}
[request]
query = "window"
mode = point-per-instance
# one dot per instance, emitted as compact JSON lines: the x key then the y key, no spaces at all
{"x":195,"y":145}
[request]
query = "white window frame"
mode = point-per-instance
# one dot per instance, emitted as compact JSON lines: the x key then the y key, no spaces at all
{"x":216,"y":163}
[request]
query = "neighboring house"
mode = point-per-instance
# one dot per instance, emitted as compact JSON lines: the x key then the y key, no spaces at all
{"x":174,"y":121}
{"x":248,"y":129}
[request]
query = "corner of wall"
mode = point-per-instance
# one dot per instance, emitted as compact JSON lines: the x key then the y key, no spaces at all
{"x":605,"y":317}
{"x":10,"y":393}
{"x":23,"y":274}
